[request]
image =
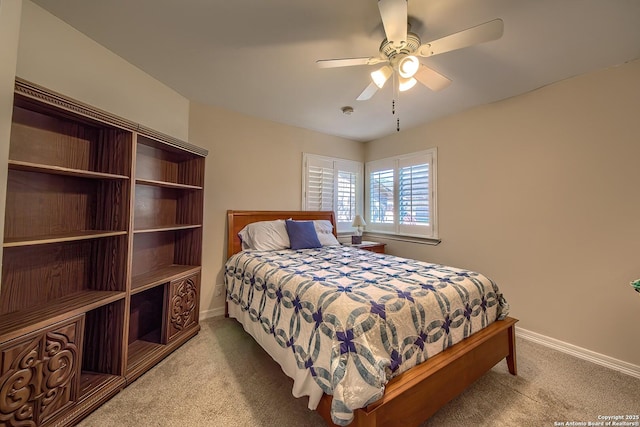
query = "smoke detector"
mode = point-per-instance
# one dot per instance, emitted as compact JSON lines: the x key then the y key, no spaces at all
{"x":347,"y":110}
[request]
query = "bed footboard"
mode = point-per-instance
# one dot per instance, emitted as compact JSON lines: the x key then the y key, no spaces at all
{"x":417,"y":394}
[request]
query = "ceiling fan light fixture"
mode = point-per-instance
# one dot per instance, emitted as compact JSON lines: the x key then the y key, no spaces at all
{"x":405,"y":84}
{"x":380,"y":76}
{"x":408,"y":66}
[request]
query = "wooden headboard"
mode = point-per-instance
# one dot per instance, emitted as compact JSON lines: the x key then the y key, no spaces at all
{"x":236,"y":220}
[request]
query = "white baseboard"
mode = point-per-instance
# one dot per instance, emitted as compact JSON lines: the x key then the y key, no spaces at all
{"x":581,"y":353}
{"x":208,"y":314}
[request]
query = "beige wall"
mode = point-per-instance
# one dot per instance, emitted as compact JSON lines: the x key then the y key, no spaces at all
{"x":58,"y":57}
{"x":252,"y":164}
{"x":541,"y":193}
{"x":10,"y":11}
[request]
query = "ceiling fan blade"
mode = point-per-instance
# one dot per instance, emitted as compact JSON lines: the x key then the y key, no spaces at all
{"x":368,"y":92}
{"x":431,"y":78}
{"x":488,"y":31}
{"x":348,"y":62}
{"x":395,"y":20}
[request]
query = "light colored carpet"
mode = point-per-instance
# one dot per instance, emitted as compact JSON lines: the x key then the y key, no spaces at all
{"x":222,"y":377}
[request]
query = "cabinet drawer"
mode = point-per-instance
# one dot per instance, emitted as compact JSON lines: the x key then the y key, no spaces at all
{"x":39,"y":373}
{"x":183,"y":305}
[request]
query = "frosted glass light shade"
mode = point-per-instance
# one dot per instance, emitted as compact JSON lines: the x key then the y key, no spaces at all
{"x":408,"y":66}
{"x":381,"y":75}
{"x":406,"y":84}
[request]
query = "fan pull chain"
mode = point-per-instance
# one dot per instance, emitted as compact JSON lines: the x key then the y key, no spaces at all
{"x":396,"y":95}
{"x":393,"y":111}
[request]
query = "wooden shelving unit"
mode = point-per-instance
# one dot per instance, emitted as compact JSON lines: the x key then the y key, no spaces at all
{"x":102,"y":255}
{"x":161,"y":275}
{"x":167,"y":245}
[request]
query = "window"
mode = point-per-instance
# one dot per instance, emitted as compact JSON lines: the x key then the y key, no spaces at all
{"x":381,"y":196}
{"x":347,"y":196}
{"x":332,"y":184}
{"x":401,"y":196}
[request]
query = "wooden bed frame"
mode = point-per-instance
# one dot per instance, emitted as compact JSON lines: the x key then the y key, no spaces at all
{"x":416,"y":394}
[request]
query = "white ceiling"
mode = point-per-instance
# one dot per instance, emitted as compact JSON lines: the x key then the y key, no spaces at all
{"x":258,"y":57}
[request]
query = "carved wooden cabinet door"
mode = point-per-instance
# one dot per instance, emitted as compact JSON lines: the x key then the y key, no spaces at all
{"x":183,"y":305}
{"x":39,"y":373}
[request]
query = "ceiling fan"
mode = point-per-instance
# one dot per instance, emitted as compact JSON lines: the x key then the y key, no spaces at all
{"x":400,"y":49}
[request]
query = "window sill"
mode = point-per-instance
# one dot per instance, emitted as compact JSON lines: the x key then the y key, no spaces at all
{"x":400,"y":238}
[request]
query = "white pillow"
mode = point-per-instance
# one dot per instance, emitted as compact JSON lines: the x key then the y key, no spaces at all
{"x":265,"y":236}
{"x":324,"y":230}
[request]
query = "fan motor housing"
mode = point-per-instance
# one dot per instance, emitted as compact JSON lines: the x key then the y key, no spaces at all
{"x":412,"y":44}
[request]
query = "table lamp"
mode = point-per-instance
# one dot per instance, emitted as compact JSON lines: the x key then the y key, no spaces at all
{"x":358,"y":223}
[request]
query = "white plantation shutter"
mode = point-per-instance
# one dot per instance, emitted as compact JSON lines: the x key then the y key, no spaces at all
{"x":347,"y":196}
{"x":381,"y":196}
{"x":413,"y":193}
{"x":332,"y":184}
{"x":401,"y":197}
{"x":320,"y":185}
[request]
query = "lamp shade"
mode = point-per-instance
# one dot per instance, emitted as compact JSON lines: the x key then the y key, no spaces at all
{"x":381,"y":75}
{"x":406,"y":84}
{"x":358,"y":221}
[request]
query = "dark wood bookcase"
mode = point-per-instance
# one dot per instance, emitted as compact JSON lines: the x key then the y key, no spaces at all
{"x":167,"y":249}
{"x":102,"y":256}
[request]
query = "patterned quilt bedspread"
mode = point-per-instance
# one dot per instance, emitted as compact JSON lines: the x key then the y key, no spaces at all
{"x":355,"y":319}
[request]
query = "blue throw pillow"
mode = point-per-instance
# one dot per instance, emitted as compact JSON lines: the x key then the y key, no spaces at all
{"x":302,"y":234}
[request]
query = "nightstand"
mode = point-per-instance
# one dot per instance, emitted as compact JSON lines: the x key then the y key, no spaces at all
{"x":369,"y":246}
